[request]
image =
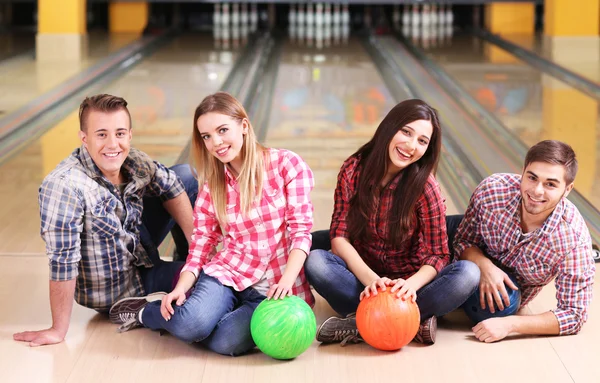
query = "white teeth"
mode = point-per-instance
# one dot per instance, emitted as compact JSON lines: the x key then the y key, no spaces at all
{"x":111,"y":154}
{"x":403,"y":154}
{"x":222,"y":151}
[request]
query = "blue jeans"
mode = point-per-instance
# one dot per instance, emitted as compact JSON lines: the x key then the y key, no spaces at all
{"x":156,"y":224}
{"x":332,"y":279}
{"x":215,"y":315}
{"x":472,"y":305}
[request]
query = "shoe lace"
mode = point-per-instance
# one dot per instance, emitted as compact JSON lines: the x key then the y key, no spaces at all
{"x":127,"y":316}
{"x":129,"y":324}
{"x":347,"y":336}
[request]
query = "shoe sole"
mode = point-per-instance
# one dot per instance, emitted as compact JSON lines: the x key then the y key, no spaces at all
{"x":429,"y":336}
{"x":158,"y":296}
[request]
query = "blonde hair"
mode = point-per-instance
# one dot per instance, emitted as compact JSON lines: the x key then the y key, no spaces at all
{"x":210,"y":169}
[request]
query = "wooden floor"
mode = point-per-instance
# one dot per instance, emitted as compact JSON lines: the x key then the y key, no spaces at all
{"x":94,"y":352}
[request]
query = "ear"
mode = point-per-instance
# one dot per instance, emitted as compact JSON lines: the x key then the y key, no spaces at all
{"x":568,"y":189}
{"x":130,"y":134}
{"x":83,"y":138}
{"x":245,"y":126}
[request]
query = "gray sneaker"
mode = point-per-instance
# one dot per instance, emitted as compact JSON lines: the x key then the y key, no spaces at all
{"x":342,"y":330}
{"x":125,"y":312}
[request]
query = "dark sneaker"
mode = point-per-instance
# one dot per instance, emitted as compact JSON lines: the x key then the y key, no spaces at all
{"x":342,"y":330}
{"x":125,"y":312}
{"x":427,"y":331}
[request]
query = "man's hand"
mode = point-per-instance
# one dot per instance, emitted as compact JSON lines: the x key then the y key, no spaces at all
{"x":493,"y":329}
{"x":492,"y":289}
{"x":41,"y":337}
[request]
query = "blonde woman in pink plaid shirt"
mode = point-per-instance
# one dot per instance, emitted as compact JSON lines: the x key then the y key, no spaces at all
{"x":253,"y":200}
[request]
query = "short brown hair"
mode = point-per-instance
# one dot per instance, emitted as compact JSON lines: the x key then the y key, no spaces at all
{"x":102,"y":103}
{"x":557,"y":153}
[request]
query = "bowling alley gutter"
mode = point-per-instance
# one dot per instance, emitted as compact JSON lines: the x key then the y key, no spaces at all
{"x":551,"y":68}
{"x":30,"y":121}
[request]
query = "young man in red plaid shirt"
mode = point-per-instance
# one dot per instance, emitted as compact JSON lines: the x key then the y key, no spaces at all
{"x":522,"y":232}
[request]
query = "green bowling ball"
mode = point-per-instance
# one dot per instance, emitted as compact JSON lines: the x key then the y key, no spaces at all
{"x":283,"y":328}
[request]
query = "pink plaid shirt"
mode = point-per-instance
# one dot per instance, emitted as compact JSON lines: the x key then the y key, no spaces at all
{"x":561,"y":248}
{"x":257,"y":246}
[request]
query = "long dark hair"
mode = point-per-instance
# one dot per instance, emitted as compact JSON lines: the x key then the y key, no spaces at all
{"x":374,"y":163}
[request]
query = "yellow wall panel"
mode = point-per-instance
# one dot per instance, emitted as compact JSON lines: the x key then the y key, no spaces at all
{"x":570,"y":18}
{"x":61,"y":16}
{"x":510,"y":18}
{"x":128,"y":17}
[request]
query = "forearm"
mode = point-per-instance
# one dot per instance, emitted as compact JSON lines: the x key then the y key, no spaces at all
{"x":61,"y":304}
{"x":343,"y":249}
{"x":475,"y":255}
{"x":182,"y":212}
{"x":187,"y":279}
{"x":294,"y":264}
{"x":540,"y":324}
{"x":422,"y":277}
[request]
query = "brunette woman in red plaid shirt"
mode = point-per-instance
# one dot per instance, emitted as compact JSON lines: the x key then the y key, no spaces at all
{"x":388,"y":229}
{"x":255,"y":201}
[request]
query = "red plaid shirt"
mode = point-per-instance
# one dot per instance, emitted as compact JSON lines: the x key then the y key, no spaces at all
{"x":561,"y":248}
{"x":257,"y":245}
{"x":427,"y":243}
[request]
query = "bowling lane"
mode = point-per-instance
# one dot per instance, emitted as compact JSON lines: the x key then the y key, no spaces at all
{"x":162,"y":92}
{"x":578,"y":54}
{"x":22,"y":78}
{"x":327,"y":103}
{"x":531,"y":104}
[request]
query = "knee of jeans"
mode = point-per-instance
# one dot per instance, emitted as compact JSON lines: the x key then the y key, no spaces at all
{"x":315,"y":267}
{"x":188,"y":328}
{"x":231,"y":347}
{"x":469,"y":276}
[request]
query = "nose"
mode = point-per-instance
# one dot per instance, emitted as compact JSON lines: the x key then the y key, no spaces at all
{"x":410,"y":145}
{"x":112,"y":141}
{"x":217,"y":141}
{"x":539,"y":189}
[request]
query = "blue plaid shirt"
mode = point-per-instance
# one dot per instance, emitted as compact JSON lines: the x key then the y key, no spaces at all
{"x":92,"y":232}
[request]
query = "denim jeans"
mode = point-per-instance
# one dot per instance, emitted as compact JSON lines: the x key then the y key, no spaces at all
{"x":215,"y":315}
{"x":332,"y":279}
{"x":472,"y":306}
{"x":156,"y":224}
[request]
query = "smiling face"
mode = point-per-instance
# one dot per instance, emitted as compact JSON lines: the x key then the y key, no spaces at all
{"x":409,"y":145}
{"x":542,"y":187}
{"x":107,"y":137}
{"x":223,"y":137}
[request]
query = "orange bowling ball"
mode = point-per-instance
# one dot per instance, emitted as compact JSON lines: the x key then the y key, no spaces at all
{"x":386,"y":322}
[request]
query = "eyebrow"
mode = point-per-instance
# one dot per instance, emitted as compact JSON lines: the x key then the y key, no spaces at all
{"x":413,"y":129}
{"x":102,"y":130}
{"x":217,"y":128}
{"x":548,"y":179}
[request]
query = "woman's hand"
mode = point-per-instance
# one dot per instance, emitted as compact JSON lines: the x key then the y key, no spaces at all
{"x":166,"y":306}
{"x":371,"y":289}
{"x":405,"y":289}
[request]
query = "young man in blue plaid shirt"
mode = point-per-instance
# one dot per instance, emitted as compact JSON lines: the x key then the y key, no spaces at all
{"x":104,"y":211}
